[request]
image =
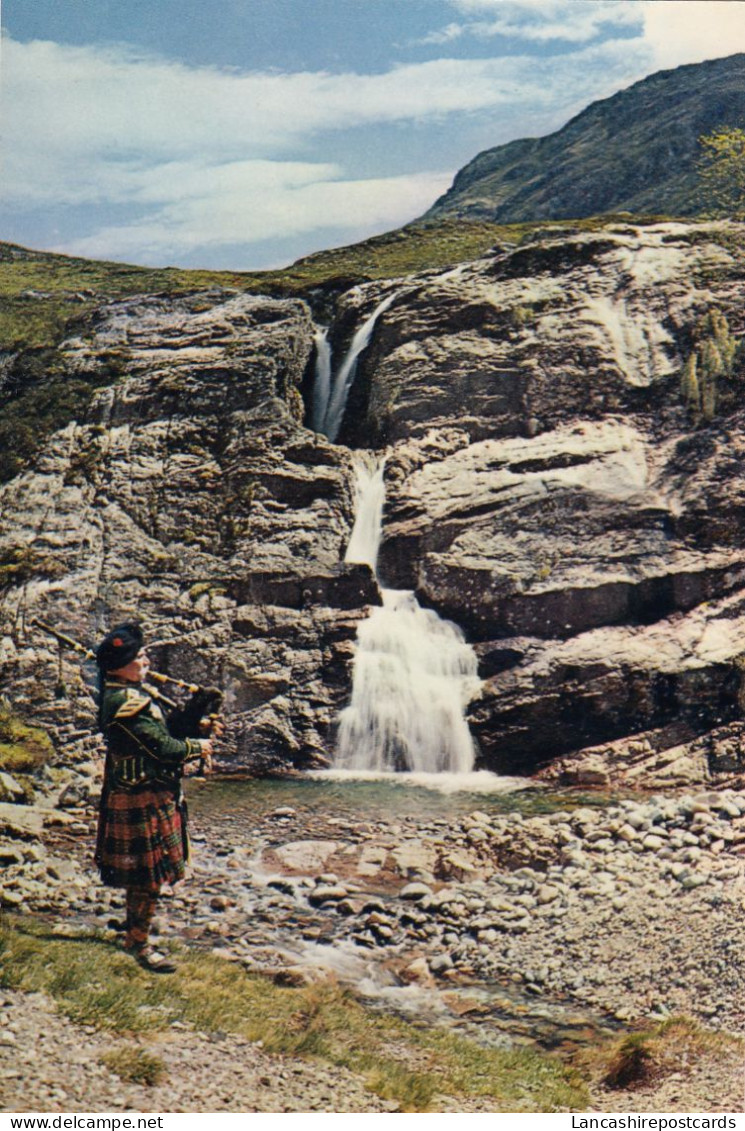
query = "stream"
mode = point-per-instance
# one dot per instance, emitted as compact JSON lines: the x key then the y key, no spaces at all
{"x":237,"y":826}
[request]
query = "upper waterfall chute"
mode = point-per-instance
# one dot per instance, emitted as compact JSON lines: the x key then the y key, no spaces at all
{"x":322,"y":382}
{"x":331,"y":390}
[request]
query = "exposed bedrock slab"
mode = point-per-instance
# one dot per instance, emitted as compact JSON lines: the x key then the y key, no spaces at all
{"x":194,"y":499}
{"x":552,"y":697}
{"x":545,"y":480}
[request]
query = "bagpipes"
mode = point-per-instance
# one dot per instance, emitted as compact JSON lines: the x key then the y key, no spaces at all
{"x":198,"y":718}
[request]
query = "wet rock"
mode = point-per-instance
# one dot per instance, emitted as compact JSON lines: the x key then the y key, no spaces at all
{"x":73,"y":794}
{"x":21,"y":821}
{"x":10,"y":854}
{"x":61,"y":869}
{"x":220,"y":903}
{"x":413,"y":856}
{"x":456,"y":866}
{"x":439,"y":964}
{"x":547,"y":894}
{"x":350,"y":906}
{"x":284,"y":886}
{"x":372,"y":859}
{"x":417,"y":973}
{"x":305,"y":855}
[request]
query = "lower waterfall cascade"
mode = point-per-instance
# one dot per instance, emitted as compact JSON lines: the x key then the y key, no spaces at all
{"x":414,"y":674}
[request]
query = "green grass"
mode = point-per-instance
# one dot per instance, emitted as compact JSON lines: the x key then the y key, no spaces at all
{"x":95,"y":984}
{"x":644,"y":1058}
{"x":135,"y":1065}
{"x":42,"y":294}
{"x":23,"y":748}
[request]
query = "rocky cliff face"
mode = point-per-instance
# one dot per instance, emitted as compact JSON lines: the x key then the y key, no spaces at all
{"x":550,"y":492}
{"x":192,"y":498}
{"x":548,"y":488}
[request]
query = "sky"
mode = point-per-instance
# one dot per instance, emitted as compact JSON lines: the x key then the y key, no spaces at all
{"x":243,"y":134}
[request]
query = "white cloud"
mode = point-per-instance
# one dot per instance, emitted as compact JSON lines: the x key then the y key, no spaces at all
{"x":541,"y":21}
{"x":673,"y":31}
{"x":257,"y":201}
{"x":690,"y":31}
{"x":84,"y":124}
{"x":204,"y":156}
{"x":444,"y":35}
{"x":120,"y":107}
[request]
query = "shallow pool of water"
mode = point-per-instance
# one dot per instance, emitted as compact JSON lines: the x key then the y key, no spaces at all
{"x":391,"y":797}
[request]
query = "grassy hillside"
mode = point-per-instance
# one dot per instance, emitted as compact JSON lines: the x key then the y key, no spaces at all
{"x":44,"y":297}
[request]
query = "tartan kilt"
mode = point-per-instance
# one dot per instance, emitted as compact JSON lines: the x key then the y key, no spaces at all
{"x":142,"y":841}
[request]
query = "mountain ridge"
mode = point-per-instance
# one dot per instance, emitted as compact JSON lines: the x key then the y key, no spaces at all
{"x":635,"y":151}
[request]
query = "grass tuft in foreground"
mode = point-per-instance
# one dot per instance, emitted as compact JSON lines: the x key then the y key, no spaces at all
{"x":643,"y":1059}
{"x":95,"y":984}
{"x":632,"y":1063}
{"x":135,"y":1065}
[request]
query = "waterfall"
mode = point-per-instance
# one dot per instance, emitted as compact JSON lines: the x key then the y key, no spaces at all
{"x":368,"y":524}
{"x":330,"y":392}
{"x":322,"y":383}
{"x":413,"y":672}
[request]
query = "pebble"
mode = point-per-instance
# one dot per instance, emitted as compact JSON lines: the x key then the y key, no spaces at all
{"x":204,"y":1072}
{"x":323,"y":893}
{"x":415,"y":891}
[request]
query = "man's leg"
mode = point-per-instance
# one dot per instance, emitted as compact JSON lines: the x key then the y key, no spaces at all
{"x":140,"y":912}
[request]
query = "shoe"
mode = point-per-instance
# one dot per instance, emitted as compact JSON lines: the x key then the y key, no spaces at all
{"x":154,"y":961}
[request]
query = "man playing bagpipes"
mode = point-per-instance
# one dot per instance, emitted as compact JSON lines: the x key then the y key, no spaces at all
{"x":142,"y":840}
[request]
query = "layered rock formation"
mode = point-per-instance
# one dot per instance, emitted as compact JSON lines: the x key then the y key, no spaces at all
{"x":193,"y":499}
{"x":549,"y":490}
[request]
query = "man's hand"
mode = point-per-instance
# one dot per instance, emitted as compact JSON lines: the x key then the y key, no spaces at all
{"x":205,"y":764}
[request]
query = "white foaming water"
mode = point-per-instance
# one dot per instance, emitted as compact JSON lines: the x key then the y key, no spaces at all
{"x":474,"y":781}
{"x":322,"y":382}
{"x":414,"y":674}
{"x":368,"y":524}
{"x":330,"y":411}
